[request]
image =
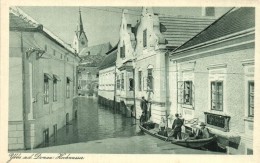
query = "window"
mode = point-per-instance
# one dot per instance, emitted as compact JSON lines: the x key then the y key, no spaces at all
{"x":55,"y":132}
{"x":131,"y":84}
{"x":145,"y":38}
{"x":122,"y":81}
{"x":68,"y":88}
{"x":54,"y":89}
{"x":251,"y":88}
{"x":217,"y":95}
{"x":140,"y":80}
{"x":118,"y":83}
{"x":187,"y":94}
{"x":150,"y":80}
{"x":46,"y":90}
{"x":122,"y":51}
{"x":47,"y":77}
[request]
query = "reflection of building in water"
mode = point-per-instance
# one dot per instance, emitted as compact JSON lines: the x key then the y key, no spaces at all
{"x":42,"y":82}
{"x":212,"y":79}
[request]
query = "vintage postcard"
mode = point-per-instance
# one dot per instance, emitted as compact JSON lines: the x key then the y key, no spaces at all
{"x":129,"y":81}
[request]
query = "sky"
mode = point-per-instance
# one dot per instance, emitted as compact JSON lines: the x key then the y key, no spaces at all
{"x":101,"y":24}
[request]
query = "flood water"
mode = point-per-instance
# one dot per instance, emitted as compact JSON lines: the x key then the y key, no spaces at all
{"x":100,"y":130}
{"x":95,"y":122}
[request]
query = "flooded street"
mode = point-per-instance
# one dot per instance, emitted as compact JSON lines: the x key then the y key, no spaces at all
{"x":100,"y":130}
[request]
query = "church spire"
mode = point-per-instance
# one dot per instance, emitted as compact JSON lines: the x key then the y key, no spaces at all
{"x":80,"y":40}
{"x":80,"y":23}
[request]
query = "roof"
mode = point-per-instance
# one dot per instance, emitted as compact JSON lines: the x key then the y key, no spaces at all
{"x":91,"y":60}
{"x":179,"y":29}
{"x":236,"y":20}
{"x":20,"y":23}
{"x":100,"y":49}
{"x":19,"y":20}
{"x":110,"y":59}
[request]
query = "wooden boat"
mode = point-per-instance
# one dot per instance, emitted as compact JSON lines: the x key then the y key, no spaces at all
{"x":194,"y":143}
{"x":186,"y":142}
{"x":154,"y":133}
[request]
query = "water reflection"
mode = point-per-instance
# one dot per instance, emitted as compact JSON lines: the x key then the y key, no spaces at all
{"x":95,"y":122}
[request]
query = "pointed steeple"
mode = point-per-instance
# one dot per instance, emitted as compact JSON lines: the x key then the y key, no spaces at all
{"x":81,"y":29}
{"x":80,"y":40}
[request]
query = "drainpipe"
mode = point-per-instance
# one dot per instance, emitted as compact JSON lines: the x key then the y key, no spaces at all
{"x":115,"y":90}
{"x":134,"y":92}
{"x":177,"y":85}
{"x":166,"y":78}
{"x":24,"y":89}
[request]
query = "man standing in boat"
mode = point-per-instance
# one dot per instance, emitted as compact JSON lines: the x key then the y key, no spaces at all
{"x":176,"y":126}
{"x":143,"y":105}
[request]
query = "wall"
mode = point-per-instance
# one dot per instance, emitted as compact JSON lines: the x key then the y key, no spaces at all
{"x":16,"y":123}
{"x":230,"y":62}
{"x":38,"y":116}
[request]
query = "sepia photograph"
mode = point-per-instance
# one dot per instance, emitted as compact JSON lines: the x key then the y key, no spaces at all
{"x":164,"y":80}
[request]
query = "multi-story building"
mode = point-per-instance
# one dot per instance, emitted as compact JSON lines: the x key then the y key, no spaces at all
{"x":107,"y":80}
{"x":212,"y":79}
{"x":42,"y":83}
{"x":125,"y":69}
{"x":156,"y":36}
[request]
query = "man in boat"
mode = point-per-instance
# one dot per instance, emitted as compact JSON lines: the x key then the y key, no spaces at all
{"x":143,"y":105}
{"x":162,"y":127}
{"x":176,"y":126}
{"x":203,"y":132}
{"x":142,"y":119}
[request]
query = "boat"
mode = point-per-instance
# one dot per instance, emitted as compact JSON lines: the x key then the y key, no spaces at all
{"x":154,"y":132}
{"x":186,"y":142}
{"x":194,"y":143}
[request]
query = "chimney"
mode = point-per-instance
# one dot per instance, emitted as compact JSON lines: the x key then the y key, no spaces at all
{"x":208,"y":11}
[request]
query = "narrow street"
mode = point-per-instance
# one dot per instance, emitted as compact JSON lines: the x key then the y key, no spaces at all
{"x":99,"y":130}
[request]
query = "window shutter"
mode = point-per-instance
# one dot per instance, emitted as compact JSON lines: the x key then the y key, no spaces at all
{"x":193,"y":95}
{"x":180,"y":91}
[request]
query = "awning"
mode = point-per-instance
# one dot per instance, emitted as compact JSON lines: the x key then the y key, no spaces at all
{"x":55,"y":77}
{"x":47,"y":76}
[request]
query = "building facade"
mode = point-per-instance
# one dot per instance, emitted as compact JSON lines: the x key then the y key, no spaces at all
{"x":125,"y":67}
{"x":156,"y":36}
{"x":212,"y":80}
{"x":107,"y":80}
{"x":42,"y":83}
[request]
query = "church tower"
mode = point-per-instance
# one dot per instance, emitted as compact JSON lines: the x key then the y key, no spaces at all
{"x":80,"y":40}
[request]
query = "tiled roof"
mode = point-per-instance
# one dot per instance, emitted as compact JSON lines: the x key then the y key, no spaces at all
{"x":100,"y":49}
{"x":19,"y":20}
{"x":110,"y":59}
{"x":237,"y":20}
{"x":179,"y":29}
{"x":19,"y":23}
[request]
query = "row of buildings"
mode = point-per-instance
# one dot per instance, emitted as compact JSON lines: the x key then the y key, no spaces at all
{"x":42,"y":82}
{"x":199,"y":67}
